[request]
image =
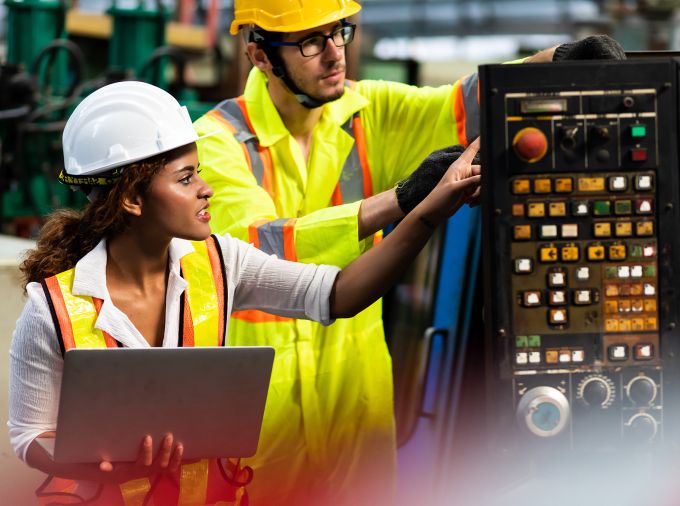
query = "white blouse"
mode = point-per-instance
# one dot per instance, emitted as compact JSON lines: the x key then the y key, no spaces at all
{"x":255,"y":280}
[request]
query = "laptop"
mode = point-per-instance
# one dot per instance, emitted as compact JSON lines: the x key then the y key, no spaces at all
{"x":211,"y":399}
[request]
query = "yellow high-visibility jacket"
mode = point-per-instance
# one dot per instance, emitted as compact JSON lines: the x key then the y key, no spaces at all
{"x":328,"y":435}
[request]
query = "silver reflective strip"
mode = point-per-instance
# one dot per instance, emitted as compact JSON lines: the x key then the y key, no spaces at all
{"x":471,"y":104}
{"x":231,"y":112}
{"x":352,"y":177}
{"x":270,"y":235}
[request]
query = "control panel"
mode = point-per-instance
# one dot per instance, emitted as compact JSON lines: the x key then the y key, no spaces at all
{"x":581,"y":230}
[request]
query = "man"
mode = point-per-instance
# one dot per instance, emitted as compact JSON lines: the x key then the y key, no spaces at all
{"x":305,"y":168}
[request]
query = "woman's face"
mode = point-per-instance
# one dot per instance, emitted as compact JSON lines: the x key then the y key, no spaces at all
{"x":177,"y":200}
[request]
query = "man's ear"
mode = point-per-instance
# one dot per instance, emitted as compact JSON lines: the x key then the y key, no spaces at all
{"x":258,"y":57}
{"x":132,"y":204}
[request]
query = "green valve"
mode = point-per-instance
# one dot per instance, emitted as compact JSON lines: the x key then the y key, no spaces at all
{"x":623,"y":207}
{"x":602,"y":208}
{"x":521,"y":342}
{"x":534,"y":341}
{"x":638,"y":131}
{"x":635,"y":250}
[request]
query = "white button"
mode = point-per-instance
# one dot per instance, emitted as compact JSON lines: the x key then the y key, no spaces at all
{"x":532,"y":299}
{"x":558,"y":297}
{"x":644,"y":351}
{"x":521,"y":357}
{"x":581,"y":209}
{"x":583,"y":296}
{"x":523,"y":265}
{"x":623,"y":272}
{"x":583,"y":273}
{"x":618,"y":352}
{"x":649,"y":289}
{"x":570,"y":231}
{"x":559,"y":316}
{"x":644,"y":182}
{"x":565,"y":356}
{"x":618,"y":183}
{"x":636,"y":271}
{"x":645,"y":206}
{"x":577,"y":356}
{"x":557,"y":279}
{"x":648,"y":250}
{"x":548,"y":231}
{"x":534,"y":357}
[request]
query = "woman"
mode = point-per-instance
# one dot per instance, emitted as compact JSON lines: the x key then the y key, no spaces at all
{"x":122,"y":274}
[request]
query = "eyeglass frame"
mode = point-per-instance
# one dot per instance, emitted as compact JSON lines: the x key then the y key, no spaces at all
{"x":326,"y":38}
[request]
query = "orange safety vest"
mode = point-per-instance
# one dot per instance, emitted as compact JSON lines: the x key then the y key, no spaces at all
{"x":208,"y":481}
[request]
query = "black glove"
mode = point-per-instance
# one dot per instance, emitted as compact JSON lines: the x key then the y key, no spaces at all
{"x":595,"y":47}
{"x":412,"y":190}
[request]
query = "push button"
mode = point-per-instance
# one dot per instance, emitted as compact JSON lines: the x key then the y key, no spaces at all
{"x":531,"y":298}
{"x":518,"y":209}
{"x":557,"y":209}
{"x":636,"y":306}
{"x":617,"y":252}
{"x":551,"y":356}
{"x":623,"y":207}
{"x":635,"y":250}
{"x":611,"y":325}
{"x":617,"y":352}
{"x":650,"y":323}
{"x":542,"y":185}
{"x":548,"y":254}
{"x":548,"y":231}
{"x":624,"y":229}
{"x":521,"y":186}
{"x":649,"y":251}
{"x":649,"y":271}
{"x":624,"y":306}
{"x":534,"y":357}
{"x":649,"y":289}
{"x":564,"y":356}
{"x":625,"y":289}
{"x":570,"y":253}
{"x":623,"y":272}
{"x":564,"y":185}
{"x":570,"y":231}
{"x":637,"y":324}
{"x":602,"y":208}
{"x":602,"y":229}
{"x":591,"y":184}
{"x":644,"y":206}
{"x":649,"y":305}
{"x":521,"y":358}
{"x":595,"y":253}
{"x":536,"y":210}
{"x":644,"y":182}
{"x":636,"y":271}
{"x":521,"y":232}
{"x":618,"y":183}
{"x":583,"y":273}
{"x":611,"y":307}
{"x":638,"y":131}
{"x":557,"y":297}
{"x":611,"y":290}
{"x":577,"y":356}
{"x":524,"y":265}
{"x":557,"y":278}
{"x":644,"y":228}
{"x":636,"y":289}
{"x":643,"y":351}
{"x":521,"y":342}
{"x":624,"y":325}
{"x":557,"y":316}
{"x":583,"y":297}
{"x":580,"y":208}
{"x":638,"y":154}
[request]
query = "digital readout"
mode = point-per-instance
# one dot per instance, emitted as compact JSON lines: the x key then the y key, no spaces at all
{"x":543,"y":105}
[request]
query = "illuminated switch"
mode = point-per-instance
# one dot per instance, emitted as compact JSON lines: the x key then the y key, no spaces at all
{"x":557,"y":297}
{"x":649,"y":289}
{"x":636,"y":306}
{"x":611,"y":307}
{"x":602,"y":208}
{"x":536,"y":210}
{"x":583,"y":273}
{"x":518,"y":209}
{"x":583,"y":297}
{"x":617,"y":252}
{"x":565,"y":356}
{"x":611,"y":290}
{"x":557,"y":279}
{"x":548,"y":254}
{"x":570,"y":231}
{"x":570,"y":254}
{"x":542,"y":185}
{"x":564,"y":185}
{"x":636,"y":289}
{"x":610,"y":272}
{"x":548,"y":231}
{"x":521,"y":358}
{"x":624,"y":289}
{"x":624,"y":325}
{"x":521,"y":342}
{"x":643,"y":351}
{"x":580,"y":208}
{"x":650,"y":306}
{"x":638,"y":154}
{"x":521,"y":232}
{"x":644,"y":228}
{"x":643,"y":206}
{"x":636,"y":271}
{"x":649,"y":271}
{"x":577,"y":356}
{"x":635,"y":251}
{"x":531,"y":298}
{"x":534,"y":341}
{"x":624,"y":229}
{"x":551,"y":356}
{"x":534,"y":357}
{"x":618,"y":183}
{"x":557,"y":316}
{"x":521,"y":186}
{"x":637,"y":324}
{"x":557,"y":208}
{"x":623,"y":207}
{"x":644,"y":182}
{"x":611,"y":325}
{"x":524,"y":265}
{"x":617,"y":352}
{"x":624,"y":306}
{"x":591,"y":184}
{"x":602,"y":229}
{"x":623,"y":272}
{"x":595,"y":253}
{"x":649,"y":251}
{"x":650,"y":323}
{"x":638,"y":131}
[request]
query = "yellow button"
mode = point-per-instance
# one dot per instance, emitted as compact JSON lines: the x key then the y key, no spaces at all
{"x":650,"y":323}
{"x":518,"y":209}
{"x":551,"y":356}
{"x":542,"y":185}
{"x":591,"y":184}
{"x":570,"y":254}
{"x":636,"y":289}
{"x":650,"y":306}
{"x":611,"y":290}
{"x":536,"y":210}
{"x":595,"y":253}
{"x":521,"y":232}
{"x":617,"y":252}
{"x":644,"y":228}
{"x":637,"y":324}
{"x":624,"y":325}
{"x":602,"y":229}
{"x":611,"y":325}
{"x":624,"y":306}
{"x":563,"y":185}
{"x":611,"y":306}
{"x":636,"y":305}
{"x":557,"y":209}
{"x":624,"y":229}
{"x":521,"y":186}
{"x":548,"y":254}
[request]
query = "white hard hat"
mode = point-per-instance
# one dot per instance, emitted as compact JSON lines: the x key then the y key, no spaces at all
{"x":123,"y":123}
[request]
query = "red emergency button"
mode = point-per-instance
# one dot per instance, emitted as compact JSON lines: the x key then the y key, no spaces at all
{"x":638,"y":154}
{"x":530,"y":144}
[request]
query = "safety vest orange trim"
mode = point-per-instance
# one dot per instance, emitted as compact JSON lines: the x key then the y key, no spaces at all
{"x":360,"y":139}
{"x":59,"y":314}
{"x":110,"y":341}
{"x":255,"y":316}
{"x":265,"y":155}
{"x":459,"y":112}
{"x":214,"y":113}
{"x":289,"y":240}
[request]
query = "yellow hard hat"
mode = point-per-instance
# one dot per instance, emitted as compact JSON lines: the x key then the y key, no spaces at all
{"x":290,"y":15}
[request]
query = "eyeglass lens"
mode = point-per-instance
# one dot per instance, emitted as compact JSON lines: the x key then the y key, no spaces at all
{"x":316,"y":44}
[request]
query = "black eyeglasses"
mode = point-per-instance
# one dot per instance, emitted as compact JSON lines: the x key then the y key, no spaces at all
{"x":315,"y":44}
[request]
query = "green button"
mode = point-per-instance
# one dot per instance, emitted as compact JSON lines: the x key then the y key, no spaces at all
{"x":638,"y":131}
{"x":623,"y":207}
{"x":610,"y":272}
{"x":534,"y":341}
{"x":649,"y":271}
{"x":602,"y":208}
{"x":635,"y":250}
{"x":521,"y":342}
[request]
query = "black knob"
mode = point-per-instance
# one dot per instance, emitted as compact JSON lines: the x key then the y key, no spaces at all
{"x":641,"y":390}
{"x":602,"y":155}
{"x":595,"y":392}
{"x":601,"y":131}
{"x":641,"y":427}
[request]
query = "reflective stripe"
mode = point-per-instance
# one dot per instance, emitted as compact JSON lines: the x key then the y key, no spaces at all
{"x":134,"y":491}
{"x":193,"y":483}
{"x":255,"y":316}
{"x":351,"y":183}
{"x":466,"y":108}
{"x":277,"y":237}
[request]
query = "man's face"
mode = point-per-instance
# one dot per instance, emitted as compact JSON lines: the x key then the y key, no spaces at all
{"x":322,"y":77}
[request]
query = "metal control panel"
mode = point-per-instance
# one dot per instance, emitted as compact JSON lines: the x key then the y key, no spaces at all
{"x":581,"y":229}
